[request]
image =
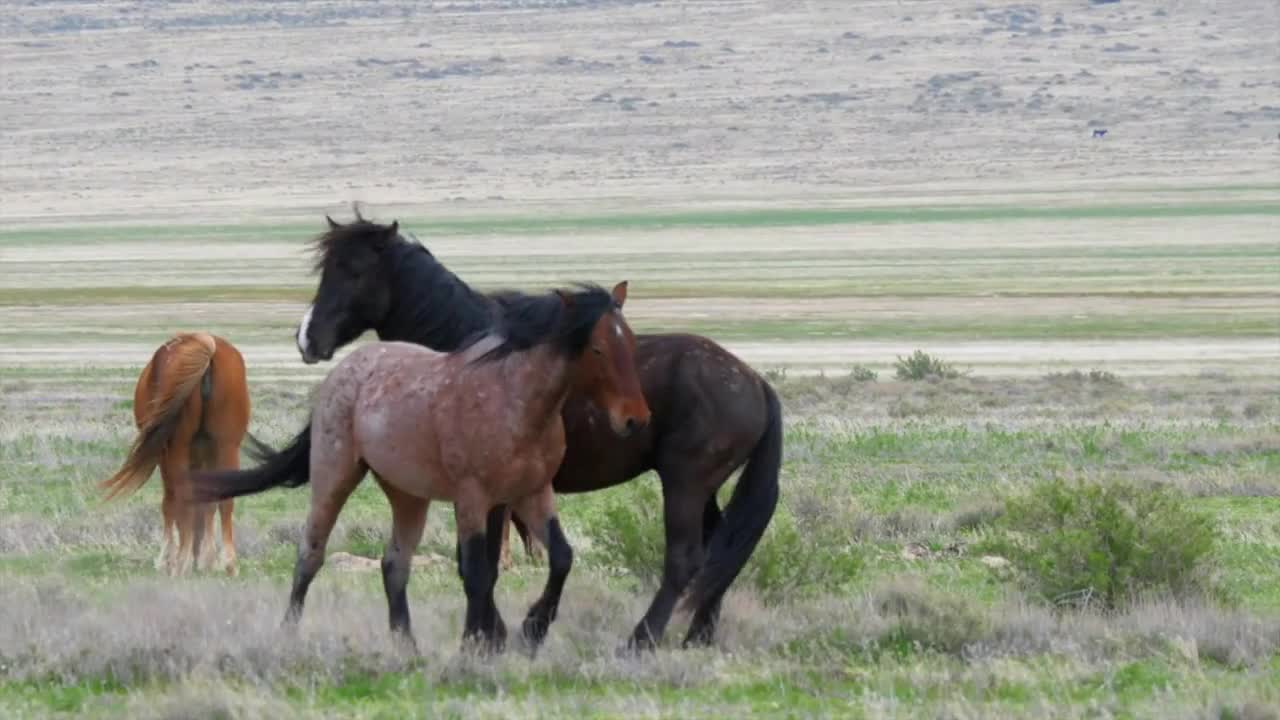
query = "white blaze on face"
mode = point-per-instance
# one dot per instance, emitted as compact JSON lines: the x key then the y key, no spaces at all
{"x":302,"y":329}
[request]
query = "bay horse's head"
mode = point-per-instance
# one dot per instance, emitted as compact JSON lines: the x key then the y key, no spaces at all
{"x":606,"y":369}
{"x":353,"y":295}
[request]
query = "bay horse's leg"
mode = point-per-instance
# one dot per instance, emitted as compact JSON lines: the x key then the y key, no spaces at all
{"x":539,"y":515}
{"x":478,"y":574}
{"x":684,"y":500}
{"x":703,"y":626}
{"x":408,"y":518}
{"x":331,"y":485}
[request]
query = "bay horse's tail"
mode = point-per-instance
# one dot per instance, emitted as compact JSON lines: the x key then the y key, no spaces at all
{"x":189,"y":358}
{"x":748,"y":514}
{"x":289,"y":467}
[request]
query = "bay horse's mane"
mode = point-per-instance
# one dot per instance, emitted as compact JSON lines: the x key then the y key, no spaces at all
{"x":561,"y":317}
{"x":433,"y":306}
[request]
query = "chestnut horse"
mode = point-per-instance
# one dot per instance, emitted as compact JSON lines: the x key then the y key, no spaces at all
{"x":191,"y":407}
{"x":712,"y":412}
{"x":479,"y":427}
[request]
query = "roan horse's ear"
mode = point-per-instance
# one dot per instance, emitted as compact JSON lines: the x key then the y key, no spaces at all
{"x":620,"y":293}
{"x":332,"y":225}
{"x":565,"y":298}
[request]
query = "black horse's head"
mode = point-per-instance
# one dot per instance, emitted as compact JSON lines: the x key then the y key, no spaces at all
{"x":354,"y":294}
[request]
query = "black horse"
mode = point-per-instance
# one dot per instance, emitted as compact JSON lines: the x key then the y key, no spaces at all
{"x":711,"y":412}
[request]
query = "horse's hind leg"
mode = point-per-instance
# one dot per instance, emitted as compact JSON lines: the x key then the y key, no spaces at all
{"x":169,"y":509}
{"x":227,"y":458}
{"x":408,"y":518}
{"x":539,"y":515}
{"x":173,"y":471}
{"x":331,"y":485}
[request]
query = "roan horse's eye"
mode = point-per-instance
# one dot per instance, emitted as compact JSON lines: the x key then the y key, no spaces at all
{"x":596,"y":349}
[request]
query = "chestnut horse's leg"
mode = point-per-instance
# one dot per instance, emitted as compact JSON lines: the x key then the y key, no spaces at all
{"x":539,"y":515}
{"x":332,"y":480}
{"x":478,"y":570}
{"x":169,"y":508}
{"x":408,"y":518}
{"x":173,"y":470}
{"x":229,"y":556}
{"x":227,"y":457}
{"x":505,"y":542}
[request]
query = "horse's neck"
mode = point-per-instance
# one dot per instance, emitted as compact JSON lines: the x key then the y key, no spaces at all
{"x":431,"y":306}
{"x":539,"y":380}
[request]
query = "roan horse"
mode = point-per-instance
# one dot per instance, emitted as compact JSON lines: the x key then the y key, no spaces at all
{"x":712,"y":413}
{"x":191,"y":407}
{"x":479,"y":427}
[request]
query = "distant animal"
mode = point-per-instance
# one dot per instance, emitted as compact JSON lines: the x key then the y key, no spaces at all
{"x":1099,"y":132}
{"x":712,"y":412}
{"x":191,"y":408}
{"x":479,"y":427}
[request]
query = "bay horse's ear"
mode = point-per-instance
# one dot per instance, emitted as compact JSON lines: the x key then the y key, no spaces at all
{"x":332,"y":225}
{"x":394,"y":229}
{"x":620,"y":293}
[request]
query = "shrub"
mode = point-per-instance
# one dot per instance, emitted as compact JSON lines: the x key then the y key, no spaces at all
{"x":924,"y":619}
{"x":794,"y":558}
{"x":862,"y":373}
{"x":1107,"y":544}
{"x":922,"y":366}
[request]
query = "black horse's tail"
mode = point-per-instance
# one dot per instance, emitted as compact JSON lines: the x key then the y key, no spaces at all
{"x":290,"y":467}
{"x":748,"y":514}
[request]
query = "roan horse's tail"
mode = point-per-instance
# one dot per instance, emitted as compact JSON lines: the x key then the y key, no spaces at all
{"x":190,"y":355}
{"x":289,"y":467}
{"x":747,"y":515}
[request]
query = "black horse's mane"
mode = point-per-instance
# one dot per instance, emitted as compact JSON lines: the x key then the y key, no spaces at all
{"x":431,"y":306}
{"x":563,"y":318}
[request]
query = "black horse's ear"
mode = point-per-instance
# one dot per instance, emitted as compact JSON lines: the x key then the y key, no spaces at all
{"x":332,"y":225}
{"x":394,"y":229}
{"x":565,"y":298}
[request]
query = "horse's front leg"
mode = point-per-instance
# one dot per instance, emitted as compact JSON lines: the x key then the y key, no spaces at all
{"x":538,"y":512}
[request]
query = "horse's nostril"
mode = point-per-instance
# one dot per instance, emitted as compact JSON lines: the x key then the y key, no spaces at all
{"x":632,"y":425}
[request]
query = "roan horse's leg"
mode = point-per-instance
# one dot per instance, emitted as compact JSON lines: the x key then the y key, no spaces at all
{"x":478,"y":571}
{"x":539,"y":516}
{"x":494,"y":524}
{"x":331,"y":485}
{"x":408,"y":518}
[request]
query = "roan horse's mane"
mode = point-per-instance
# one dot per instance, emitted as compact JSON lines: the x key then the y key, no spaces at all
{"x":530,"y":320}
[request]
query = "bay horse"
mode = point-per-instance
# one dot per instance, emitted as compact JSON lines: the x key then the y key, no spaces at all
{"x":479,"y":427}
{"x":712,"y":412}
{"x":191,"y":408}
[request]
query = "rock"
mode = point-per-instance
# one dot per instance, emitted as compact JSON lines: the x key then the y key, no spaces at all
{"x":915,"y":551}
{"x":345,"y":561}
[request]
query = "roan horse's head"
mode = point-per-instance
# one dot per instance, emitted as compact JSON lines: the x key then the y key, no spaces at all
{"x":607,"y":372}
{"x":353,"y":294}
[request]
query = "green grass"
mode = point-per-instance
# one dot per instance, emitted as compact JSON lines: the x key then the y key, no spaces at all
{"x":660,"y":220}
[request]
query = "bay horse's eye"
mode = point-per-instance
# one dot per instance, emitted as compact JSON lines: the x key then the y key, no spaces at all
{"x":596,"y":349}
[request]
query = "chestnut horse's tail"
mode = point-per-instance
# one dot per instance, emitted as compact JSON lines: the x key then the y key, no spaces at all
{"x":189,"y":358}
{"x":289,"y":467}
{"x":748,"y":514}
